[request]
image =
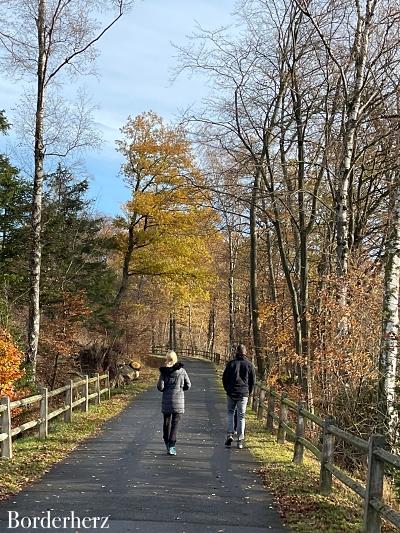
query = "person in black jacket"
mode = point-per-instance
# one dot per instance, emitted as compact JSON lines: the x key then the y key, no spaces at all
{"x":238,"y":380}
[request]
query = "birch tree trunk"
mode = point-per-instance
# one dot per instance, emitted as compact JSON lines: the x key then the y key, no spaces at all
{"x":36,"y":220}
{"x":390,"y":323}
{"x":353,"y":106}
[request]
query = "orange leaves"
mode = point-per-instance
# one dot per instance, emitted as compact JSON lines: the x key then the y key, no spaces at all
{"x":278,"y":322}
{"x":59,"y":334}
{"x":10,"y":362}
{"x":337,"y":364}
{"x":355,"y":353}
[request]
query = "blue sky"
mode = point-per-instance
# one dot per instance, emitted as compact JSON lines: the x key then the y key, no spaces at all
{"x":134,"y":71}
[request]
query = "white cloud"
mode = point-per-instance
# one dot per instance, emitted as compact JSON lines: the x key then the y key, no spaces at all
{"x":134,"y":69}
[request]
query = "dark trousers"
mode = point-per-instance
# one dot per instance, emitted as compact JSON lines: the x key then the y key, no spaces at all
{"x":170,"y":427}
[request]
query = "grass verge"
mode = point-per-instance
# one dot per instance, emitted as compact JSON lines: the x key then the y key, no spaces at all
{"x":295,"y":487}
{"x":33,"y":457}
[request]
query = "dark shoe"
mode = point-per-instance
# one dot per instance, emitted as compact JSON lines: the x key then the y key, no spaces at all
{"x":240,"y":444}
{"x":229,"y":441}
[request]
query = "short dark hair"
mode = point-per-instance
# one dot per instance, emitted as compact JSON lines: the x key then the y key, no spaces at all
{"x":241,"y":349}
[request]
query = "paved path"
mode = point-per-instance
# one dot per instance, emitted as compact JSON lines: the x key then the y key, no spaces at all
{"x":125,"y":473}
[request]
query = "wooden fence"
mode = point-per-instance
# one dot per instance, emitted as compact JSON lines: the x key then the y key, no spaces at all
{"x":188,"y":352}
{"x":75,"y":393}
{"x":265,"y":402}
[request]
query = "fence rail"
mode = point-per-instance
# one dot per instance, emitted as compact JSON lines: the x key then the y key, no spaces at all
{"x":188,"y":352}
{"x":75,"y":393}
{"x":265,"y":402}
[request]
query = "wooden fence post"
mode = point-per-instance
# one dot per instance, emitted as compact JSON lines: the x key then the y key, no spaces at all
{"x":108,"y":385}
{"x":97,"y":382}
{"x":300,"y":432}
{"x":96,"y":390}
{"x":44,"y":413}
{"x":374,"y":484}
{"x":68,"y":402}
{"x":5,"y":427}
{"x":269,"y":425}
{"x":260,"y":411}
{"x":282,"y":420}
{"x":86,"y":390}
{"x":328,"y":448}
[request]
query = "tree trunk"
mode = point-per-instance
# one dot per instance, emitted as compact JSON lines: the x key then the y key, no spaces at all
{"x":231,"y":283}
{"x":171,"y":345}
{"x":127,"y":260}
{"x":255,"y":314}
{"x":303,"y":241}
{"x":36,"y":222}
{"x":211,"y":330}
{"x":174,"y":343}
{"x":55,"y":368}
{"x":390,"y":323}
{"x":273,"y":352}
{"x":296,"y":314}
{"x":190,"y":327}
{"x":353,"y":105}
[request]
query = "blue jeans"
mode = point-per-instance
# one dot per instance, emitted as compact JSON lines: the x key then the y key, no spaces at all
{"x":239,"y":406}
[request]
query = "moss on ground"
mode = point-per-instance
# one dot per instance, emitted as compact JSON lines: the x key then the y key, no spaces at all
{"x":32,"y":457}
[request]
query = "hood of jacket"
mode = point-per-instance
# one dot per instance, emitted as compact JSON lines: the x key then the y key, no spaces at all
{"x":166,"y":370}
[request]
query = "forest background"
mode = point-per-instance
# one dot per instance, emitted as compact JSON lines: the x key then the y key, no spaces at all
{"x":269,"y":216}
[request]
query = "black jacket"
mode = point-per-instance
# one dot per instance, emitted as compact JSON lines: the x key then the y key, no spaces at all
{"x":239,"y":377}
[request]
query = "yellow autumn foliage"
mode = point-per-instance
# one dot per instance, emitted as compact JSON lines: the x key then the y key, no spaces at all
{"x":167,"y":216}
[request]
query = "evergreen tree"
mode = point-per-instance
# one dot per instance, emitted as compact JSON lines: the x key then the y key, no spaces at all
{"x":15,"y":200}
{"x":74,"y":249}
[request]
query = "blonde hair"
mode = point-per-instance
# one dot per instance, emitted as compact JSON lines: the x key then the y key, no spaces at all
{"x":171,"y":358}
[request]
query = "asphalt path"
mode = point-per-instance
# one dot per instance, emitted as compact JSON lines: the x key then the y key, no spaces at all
{"x":125,"y":475}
